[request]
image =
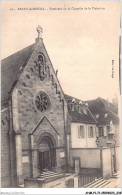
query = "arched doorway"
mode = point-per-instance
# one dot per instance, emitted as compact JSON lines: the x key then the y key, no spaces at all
{"x":46,"y":154}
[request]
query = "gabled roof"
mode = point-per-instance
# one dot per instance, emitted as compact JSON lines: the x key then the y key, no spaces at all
{"x":101,"y":107}
{"x":79,"y":117}
{"x":111,"y":106}
{"x":70,"y":98}
{"x":11,"y":68}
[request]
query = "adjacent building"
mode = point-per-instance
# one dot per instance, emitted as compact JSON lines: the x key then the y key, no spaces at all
{"x":106,"y":114}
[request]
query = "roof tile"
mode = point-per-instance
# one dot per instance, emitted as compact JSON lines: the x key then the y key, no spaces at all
{"x":10,"y":69}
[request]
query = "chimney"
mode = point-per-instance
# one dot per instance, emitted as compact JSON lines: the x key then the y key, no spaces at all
{"x":73,"y":105}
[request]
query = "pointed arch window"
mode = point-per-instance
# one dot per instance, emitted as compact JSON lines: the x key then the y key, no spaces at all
{"x":42,"y":66}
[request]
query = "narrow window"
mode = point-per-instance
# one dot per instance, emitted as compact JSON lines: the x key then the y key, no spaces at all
{"x":32,"y":69}
{"x":81,"y":131}
{"x":79,"y":109}
{"x":108,"y":129}
{"x":90,"y":132}
{"x":72,"y":107}
{"x":101,"y":131}
{"x":27,"y":76}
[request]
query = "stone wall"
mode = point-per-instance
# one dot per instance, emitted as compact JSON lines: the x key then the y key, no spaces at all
{"x":88,"y":157}
{"x":117,"y":134}
{"x":5,"y":149}
{"x":106,"y":163}
{"x":118,"y":157}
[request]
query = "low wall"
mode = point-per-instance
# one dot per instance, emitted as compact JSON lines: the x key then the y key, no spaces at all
{"x":117,"y":151}
{"x":89,"y":157}
{"x":94,"y":158}
{"x":106,"y":163}
{"x":64,"y":181}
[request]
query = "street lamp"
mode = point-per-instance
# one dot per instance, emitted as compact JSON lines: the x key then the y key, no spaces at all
{"x":97,"y":141}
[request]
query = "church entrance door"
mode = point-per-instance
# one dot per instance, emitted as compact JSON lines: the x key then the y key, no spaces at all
{"x":44,"y":160}
{"x":46,"y":155}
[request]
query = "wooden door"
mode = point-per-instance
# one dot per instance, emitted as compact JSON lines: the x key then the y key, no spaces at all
{"x":44,"y":162}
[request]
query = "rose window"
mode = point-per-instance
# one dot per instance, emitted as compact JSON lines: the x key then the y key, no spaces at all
{"x":42,"y":101}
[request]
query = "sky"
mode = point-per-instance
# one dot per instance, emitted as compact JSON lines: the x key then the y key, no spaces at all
{"x":81,"y":38}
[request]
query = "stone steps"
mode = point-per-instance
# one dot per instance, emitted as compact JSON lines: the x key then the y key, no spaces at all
{"x":92,"y":183}
{"x":49,"y":175}
{"x":110,"y":185}
{"x":102,"y":184}
{"x":99,"y":183}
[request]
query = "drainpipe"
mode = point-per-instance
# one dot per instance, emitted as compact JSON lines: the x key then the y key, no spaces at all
{"x":115,"y":159}
{"x":12,"y":150}
{"x":30,"y":136}
{"x":86,"y":135}
{"x":65,"y":137}
{"x":101,"y":161}
{"x":68,"y":149}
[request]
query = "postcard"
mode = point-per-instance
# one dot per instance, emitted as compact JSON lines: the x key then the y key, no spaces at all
{"x":60,"y":97}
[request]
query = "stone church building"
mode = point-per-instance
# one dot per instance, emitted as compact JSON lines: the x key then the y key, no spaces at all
{"x":36,"y":117}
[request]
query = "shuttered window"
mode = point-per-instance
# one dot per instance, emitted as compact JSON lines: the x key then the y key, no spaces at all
{"x":90,"y":132}
{"x":101,"y":131}
{"x":81,"y":131}
{"x":108,"y":129}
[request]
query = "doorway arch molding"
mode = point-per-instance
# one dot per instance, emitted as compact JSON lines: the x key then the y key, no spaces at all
{"x":46,"y":146}
{"x":48,"y":136}
{"x":45,"y":128}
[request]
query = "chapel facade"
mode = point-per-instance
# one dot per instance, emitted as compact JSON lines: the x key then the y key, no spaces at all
{"x":34,"y":115}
